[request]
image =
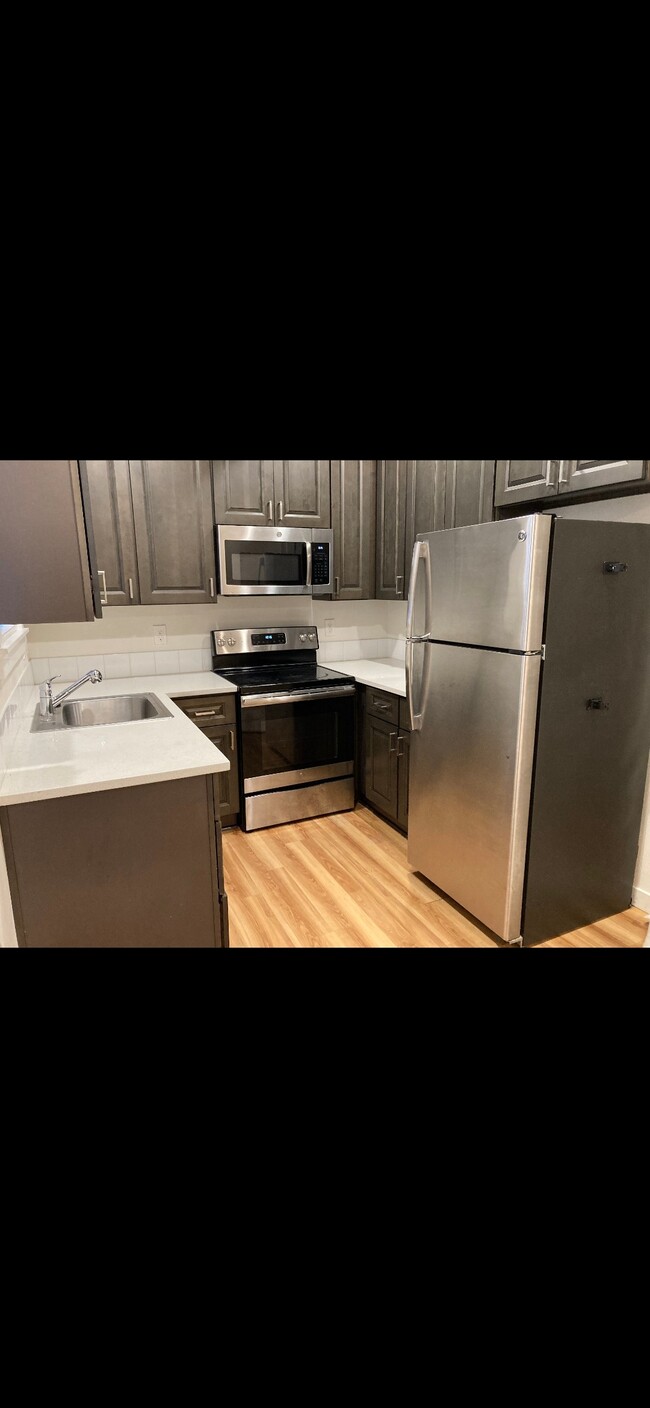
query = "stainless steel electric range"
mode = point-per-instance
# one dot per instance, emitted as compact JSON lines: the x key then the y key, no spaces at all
{"x":296,"y":724}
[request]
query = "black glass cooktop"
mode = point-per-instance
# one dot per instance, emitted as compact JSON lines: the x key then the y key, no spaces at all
{"x":250,"y":680}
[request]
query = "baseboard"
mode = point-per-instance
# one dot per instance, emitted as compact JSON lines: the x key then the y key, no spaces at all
{"x":641,"y":898}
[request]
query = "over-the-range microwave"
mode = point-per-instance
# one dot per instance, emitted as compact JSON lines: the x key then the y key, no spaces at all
{"x":275,"y":561}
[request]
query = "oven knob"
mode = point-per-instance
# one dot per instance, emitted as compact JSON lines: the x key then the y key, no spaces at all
{"x":303,"y":638}
{"x":312,"y":635}
{"x":231,"y":640}
{"x":221,"y":642}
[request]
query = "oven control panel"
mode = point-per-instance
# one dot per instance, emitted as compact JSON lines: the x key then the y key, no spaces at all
{"x":242,"y":643}
{"x":267,"y":638}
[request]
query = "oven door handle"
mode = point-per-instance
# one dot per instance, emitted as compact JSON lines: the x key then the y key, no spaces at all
{"x":265,"y":701}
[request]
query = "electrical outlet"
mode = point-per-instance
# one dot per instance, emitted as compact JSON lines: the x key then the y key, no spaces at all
{"x":160,"y":635}
{"x":329,"y":629}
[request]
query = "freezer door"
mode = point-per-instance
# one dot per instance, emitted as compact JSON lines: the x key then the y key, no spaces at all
{"x":470,"y":779}
{"x":489,"y":583}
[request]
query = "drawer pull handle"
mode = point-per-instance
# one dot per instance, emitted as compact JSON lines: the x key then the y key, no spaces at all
{"x":207,"y":714}
{"x":232,"y":740}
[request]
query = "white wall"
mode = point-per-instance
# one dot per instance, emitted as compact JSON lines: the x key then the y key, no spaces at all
{"x":635,"y":509}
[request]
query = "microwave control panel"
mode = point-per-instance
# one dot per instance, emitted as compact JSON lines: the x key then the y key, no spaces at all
{"x":321,"y":564}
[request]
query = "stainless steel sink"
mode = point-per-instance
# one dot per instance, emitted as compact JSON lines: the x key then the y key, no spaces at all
{"x":90,"y":713}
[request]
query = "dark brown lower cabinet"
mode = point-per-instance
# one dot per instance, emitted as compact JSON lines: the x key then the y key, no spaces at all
{"x":385,"y":750}
{"x":403,"y":760}
{"x":137,"y":867}
{"x":216,"y":716}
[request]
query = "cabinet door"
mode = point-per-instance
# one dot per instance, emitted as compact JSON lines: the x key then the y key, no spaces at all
{"x":425,"y":503}
{"x":391,"y":529}
{"x":354,"y":520}
{"x":469,"y":493}
{"x":403,"y":761}
{"x":302,"y":493}
{"x":244,"y":492}
{"x":576,"y":475}
{"x":174,"y":527}
{"x":114,"y":529}
{"x":226,"y":784}
{"x":45,"y":570}
{"x":381,"y":765}
{"x":144,"y":859}
{"x":521,"y":481}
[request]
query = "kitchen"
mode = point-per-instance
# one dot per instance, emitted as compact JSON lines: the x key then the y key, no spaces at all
{"x":257,"y":765}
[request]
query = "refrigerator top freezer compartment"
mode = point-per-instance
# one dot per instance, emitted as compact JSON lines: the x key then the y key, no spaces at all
{"x":488,"y":584}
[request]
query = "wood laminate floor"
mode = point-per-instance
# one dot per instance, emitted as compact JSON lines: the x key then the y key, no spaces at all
{"x":344,"y":882}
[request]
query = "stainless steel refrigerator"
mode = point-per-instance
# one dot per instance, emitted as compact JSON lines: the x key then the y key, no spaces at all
{"x":528,"y":680}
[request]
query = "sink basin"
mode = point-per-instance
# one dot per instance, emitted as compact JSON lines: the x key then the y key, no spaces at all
{"x":90,"y":713}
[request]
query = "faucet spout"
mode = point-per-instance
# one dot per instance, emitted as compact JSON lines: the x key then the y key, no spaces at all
{"x":49,"y":703}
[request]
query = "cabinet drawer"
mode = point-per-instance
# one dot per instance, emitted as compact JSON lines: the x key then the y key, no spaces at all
{"x":382,"y":705}
{"x":211,"y":710}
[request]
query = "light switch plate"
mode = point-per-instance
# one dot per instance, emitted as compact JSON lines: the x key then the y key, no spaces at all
{"x":329,"y":629}
{"x":160,"y":635}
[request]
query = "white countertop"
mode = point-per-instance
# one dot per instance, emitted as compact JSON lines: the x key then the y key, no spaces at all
{"x":69,"y":761}
{"x":379,"y":674}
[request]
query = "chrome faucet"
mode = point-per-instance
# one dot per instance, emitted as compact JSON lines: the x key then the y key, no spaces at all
{"x":49,"y":704}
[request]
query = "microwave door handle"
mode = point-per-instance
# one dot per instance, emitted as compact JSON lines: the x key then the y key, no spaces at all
{"x":310,"y":564}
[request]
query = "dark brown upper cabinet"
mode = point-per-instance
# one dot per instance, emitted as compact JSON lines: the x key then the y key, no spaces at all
{"x":577,"y":476}
{"x":469,"y":492}
{"x":425,"y":504}
{"x":523,"y":481}
{"x":263,"y":493}
{"x":354,"y":520}
{"x":425,"y":496}
{"x":113,"y":524}
{"x":46,"y":568}
{"x":244,"y":493}
{"x":391,"y":529}
{"x":174,"y":529}
{"x":302,"y":493}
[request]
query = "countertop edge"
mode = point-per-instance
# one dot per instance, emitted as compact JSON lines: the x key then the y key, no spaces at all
{"x":378,"y":674}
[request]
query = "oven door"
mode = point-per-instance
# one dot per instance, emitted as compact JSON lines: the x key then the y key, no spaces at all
{"x":265,"y":561}
{"x":293,"y":740}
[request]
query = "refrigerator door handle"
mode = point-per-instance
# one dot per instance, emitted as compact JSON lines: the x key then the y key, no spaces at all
{"x":415,"y":719}
{"x":421,"y":553}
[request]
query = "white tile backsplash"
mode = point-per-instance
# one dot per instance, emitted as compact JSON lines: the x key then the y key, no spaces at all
{"x":67,"y":666}
{"x":40,"y":671}
{"x":365,"y":630}
{"x":168,"y":662}
{"x":117,"y":667}
{"x":190,"y":662}
{"x":381,"y":649}
{"x":143,"y":663}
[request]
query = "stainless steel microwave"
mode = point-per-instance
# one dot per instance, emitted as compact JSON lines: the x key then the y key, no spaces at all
{"x":275,"y":561}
